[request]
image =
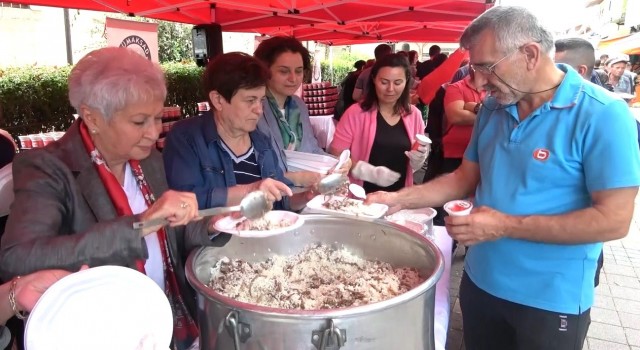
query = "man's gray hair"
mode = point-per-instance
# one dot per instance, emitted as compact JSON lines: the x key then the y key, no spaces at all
{"x":513,"y":26}
{"x":112,"y":78}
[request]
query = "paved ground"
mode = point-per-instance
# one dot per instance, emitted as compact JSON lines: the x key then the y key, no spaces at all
{"x":615,"y":317}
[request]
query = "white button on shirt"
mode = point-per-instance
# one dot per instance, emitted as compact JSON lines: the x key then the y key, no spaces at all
{"x":153,"y":266}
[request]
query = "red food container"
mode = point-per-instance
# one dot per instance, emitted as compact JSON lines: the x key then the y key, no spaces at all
{"x":25,"y":141}
{"x":36,"y":141}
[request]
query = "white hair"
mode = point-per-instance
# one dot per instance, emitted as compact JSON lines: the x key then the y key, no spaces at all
{"x":111,"y":78}
{"x":513,"y":26}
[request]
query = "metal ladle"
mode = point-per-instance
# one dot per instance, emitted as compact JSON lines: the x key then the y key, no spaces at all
{"x":331,"y":183}
{"x":253,"y":206}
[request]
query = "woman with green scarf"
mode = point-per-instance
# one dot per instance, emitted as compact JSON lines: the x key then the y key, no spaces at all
{"x":285,"y":116}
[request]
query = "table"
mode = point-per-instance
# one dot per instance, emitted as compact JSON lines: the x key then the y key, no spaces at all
{"x":441,"y":312}
{"x":323,"y":129}
{"x":636,"y":113}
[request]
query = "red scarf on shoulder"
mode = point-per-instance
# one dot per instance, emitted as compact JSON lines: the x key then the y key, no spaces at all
{"x":185,"y":330}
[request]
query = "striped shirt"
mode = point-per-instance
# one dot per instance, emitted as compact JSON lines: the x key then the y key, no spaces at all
{"x":245,"y":166}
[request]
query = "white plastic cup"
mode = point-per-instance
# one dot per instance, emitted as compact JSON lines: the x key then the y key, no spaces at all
{"x":203,"y":106}
{"x":47,"y":139}
{"x":25,"y":141}
{"x":458,"y":207}
{"x":58,"y":135}
{"x":36,"y":140}
{"x":420,"y":140}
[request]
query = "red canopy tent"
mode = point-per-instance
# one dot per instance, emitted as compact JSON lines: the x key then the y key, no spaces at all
{"x":332,"y":21}
{"x":366,"y":32}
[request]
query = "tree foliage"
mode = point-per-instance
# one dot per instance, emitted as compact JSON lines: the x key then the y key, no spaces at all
{"x":174,"y":42}
{"x":337,"y":69}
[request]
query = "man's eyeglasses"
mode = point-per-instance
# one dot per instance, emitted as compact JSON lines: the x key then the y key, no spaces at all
{"x":488,"y":70}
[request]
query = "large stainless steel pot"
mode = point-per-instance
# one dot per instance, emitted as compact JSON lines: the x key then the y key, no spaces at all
{"x":404,"y":322}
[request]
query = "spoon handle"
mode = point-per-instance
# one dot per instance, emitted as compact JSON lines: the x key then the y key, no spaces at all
{"x":201,"y":213}
{"x":342,"y":159}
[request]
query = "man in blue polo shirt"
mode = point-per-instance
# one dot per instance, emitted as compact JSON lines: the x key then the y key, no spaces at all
{"x":555,"y":168}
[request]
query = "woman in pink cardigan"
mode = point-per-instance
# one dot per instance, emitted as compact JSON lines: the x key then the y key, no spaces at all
{"x":380,"y":130}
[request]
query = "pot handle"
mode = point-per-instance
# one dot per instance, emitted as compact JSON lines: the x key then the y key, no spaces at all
{"x":238,"y":330}
{"x":332,"y":338}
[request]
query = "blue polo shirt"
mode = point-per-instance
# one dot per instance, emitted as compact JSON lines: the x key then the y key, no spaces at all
{"x":583,"y":141}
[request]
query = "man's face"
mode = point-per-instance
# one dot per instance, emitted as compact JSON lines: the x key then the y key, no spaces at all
{"x":617,"y":69}
{"x":497,"y":72}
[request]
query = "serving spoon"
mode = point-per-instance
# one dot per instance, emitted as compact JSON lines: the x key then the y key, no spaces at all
{"x":253,"y":206}
{"x":331,"y":183}
{"x":357,"y":191}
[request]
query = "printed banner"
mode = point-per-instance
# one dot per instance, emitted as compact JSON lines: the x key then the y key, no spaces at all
{"x":139,"y":36}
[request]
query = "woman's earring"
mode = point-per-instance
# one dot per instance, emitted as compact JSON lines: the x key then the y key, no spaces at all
{"x":94,"y":131}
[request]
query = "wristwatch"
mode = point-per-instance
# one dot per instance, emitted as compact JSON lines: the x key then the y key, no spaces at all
{"x":476,"y":109}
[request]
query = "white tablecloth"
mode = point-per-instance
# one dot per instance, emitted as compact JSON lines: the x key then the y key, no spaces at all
{"x":636,"y":113}
{"x":441,"y":312}
{"x":323,"y":129}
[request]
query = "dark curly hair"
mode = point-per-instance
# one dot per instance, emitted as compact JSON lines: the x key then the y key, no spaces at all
{"x":269,"y":50}
{"x":230,"y":72}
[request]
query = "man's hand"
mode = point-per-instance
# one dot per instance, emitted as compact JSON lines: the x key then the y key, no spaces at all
{"x":483,"y":224}
{"x":382,"y":197}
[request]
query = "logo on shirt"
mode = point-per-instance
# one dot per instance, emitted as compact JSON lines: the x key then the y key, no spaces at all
{"x":564,"y":323}
{"x":541,"y":154}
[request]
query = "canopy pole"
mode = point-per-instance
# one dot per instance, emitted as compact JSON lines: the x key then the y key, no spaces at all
{"x":67,"y":36}
{"x":331,"y":62}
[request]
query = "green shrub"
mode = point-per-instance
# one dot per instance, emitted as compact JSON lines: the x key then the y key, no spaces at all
{"x":340,"y":71}
{"x":184,"y":87}
{"x":34,"y":99}
{"x":342,"y":65}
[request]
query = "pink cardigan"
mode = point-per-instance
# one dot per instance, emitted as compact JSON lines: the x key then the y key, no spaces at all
{"x":357,"y":129}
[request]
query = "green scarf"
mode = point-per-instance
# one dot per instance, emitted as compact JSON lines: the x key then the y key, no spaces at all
{"x":289,"y":124}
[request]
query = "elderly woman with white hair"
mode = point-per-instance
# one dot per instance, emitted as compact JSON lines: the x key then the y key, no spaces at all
{"x":76,"y":199}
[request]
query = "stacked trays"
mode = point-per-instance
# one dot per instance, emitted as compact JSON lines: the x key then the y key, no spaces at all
{"x":320,"y":98}
{"x":170,"y":115}
{"x":310,"y":162}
